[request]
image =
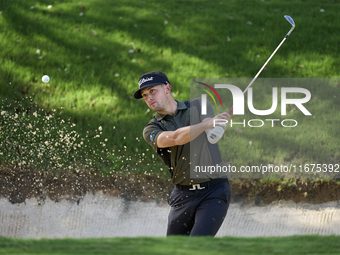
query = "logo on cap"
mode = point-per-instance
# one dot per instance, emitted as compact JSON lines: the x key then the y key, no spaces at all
{"x":141,"y":81}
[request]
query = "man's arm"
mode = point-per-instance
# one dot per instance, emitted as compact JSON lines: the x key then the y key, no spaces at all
{"x":186,"y":134}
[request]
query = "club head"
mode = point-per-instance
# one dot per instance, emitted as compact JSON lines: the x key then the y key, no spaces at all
{"x":291,"y":21}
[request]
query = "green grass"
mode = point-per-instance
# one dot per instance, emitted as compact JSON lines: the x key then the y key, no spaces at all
{"x":93,"y":75}
{"x":174,"y":245}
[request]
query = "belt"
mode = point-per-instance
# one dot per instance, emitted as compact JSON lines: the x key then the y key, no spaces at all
{"x":203,"y":185}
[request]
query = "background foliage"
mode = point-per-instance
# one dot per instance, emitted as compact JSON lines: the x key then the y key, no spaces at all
{"x":95,"y":50}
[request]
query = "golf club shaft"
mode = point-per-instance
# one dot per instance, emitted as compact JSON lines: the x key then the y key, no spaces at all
{"x":258,"y":73}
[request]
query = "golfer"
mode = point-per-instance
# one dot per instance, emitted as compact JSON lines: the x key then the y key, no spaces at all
{"x":199,"y":202}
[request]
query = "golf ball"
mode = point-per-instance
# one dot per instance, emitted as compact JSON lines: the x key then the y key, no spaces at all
{"x":45,"y":79}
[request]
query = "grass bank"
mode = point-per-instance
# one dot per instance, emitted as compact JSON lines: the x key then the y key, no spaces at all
{"x":179,"y":245}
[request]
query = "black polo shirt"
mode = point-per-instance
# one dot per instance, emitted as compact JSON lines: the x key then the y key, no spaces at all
{"x":184,"y":158}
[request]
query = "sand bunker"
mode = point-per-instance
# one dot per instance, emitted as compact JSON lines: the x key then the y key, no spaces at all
{"x":106,"y":216}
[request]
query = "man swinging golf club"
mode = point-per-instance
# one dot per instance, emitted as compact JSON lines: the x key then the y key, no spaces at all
{"x":198,"y":205}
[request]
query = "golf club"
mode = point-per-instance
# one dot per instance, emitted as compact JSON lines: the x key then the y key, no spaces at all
{"x":216,"y":133}
{"x":291,"y":21}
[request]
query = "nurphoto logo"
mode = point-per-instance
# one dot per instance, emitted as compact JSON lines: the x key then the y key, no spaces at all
{"x":303,"y":96}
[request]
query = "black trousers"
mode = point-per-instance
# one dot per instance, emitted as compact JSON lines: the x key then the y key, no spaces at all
{"x":198,"y":212}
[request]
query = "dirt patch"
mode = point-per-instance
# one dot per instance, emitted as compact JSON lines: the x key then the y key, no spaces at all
{"x":18,"y":184}
{"x":258,"y":191}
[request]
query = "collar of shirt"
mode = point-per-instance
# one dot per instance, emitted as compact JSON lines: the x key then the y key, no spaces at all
{"x":180,"y":106}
